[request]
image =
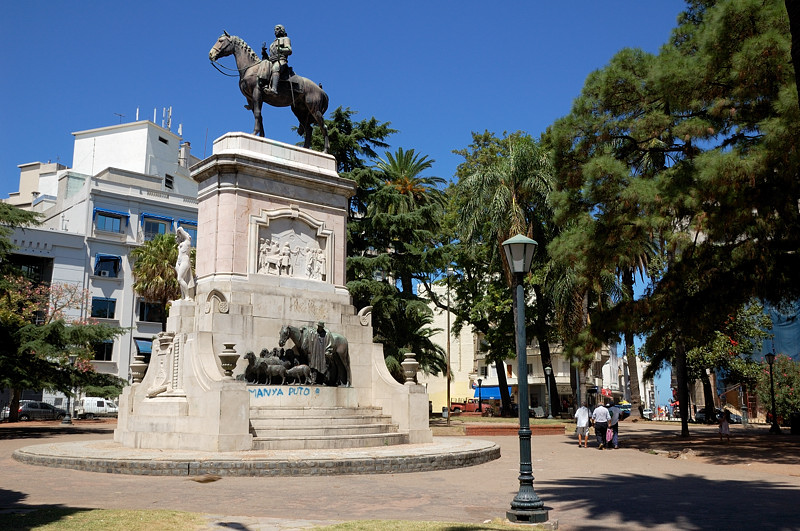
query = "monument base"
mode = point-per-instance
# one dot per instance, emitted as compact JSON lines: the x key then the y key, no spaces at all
{"x":271,"y":253}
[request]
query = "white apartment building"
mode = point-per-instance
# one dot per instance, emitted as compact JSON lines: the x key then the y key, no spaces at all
{"x":128,"y":183}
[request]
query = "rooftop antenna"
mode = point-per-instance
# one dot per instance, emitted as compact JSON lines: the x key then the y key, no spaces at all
{"x":169,"y":118}
{"x":121,"y":116}
{"x":137,"y":114}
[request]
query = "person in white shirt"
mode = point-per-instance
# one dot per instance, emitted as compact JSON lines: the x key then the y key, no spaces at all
{"x":601,"y":416}
{"x":582,"y":416}
{"x":613,"y":424}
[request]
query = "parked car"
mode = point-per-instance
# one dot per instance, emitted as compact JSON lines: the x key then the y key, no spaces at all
{"x":647,"y":413}
{"x":90,"y":407}
{"x":700,"y":416}
{"x":34,"y":410}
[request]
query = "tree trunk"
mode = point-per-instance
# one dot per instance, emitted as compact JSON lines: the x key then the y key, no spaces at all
{"x":544,"y":348}
{"x":793,"y":10}
{"x":708,"y":396}
{"x":683,"y":383}
{"x":13,"y":406}
{"x":630,"y":355}
{"x":505,"y":398}
{"x":547,"y":361}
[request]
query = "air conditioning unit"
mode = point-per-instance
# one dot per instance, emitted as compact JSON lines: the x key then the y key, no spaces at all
{"x":104,"y":273}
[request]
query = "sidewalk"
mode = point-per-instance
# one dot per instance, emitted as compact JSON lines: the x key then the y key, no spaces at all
{"x":583,"y":488}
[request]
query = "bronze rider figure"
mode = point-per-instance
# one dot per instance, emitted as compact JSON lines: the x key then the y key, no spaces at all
{"x":278,"y":53}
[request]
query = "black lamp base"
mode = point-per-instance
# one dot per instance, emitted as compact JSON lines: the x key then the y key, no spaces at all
{"x":519,"y":516}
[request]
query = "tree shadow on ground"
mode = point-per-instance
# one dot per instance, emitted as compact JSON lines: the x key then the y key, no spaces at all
{"x":14,"y":514}
{"x":40,"y":432}
{"x":745,"y":446}
{"x":681,"y":502}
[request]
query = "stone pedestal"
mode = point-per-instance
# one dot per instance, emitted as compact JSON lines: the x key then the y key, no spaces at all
{"x":270,"y":252}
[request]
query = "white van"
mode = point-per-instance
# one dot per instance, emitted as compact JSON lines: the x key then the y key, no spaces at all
{"x":90,"y":407}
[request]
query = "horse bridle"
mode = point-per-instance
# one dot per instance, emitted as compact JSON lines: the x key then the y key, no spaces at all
{"x":220,"y":67}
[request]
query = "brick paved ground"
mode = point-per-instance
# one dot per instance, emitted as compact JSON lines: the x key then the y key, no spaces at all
{"x":752,"y":483}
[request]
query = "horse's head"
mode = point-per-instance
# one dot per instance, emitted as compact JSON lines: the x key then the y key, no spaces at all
{"x":222,"y":48}
{"x":284,"y":335}
{"x":250,"y":357}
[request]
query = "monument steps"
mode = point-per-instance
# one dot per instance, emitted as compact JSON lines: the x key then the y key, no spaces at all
{"x":327,"y":442}
{"x":292,"y":415}
{"x":299,"y":422}
{"x":293,"y":427}
{"x":332,"y":431}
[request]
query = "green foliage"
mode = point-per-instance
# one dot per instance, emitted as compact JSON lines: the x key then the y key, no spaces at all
{"x":154,"y":276}
{"x":503,"y":189}
{"x":392,"y":223}
{"x":36,"y":340}
{"x":729,"y":352}
{"x":11,"y":217}
{"x":787,"y":386}
{"x":685,"y":165}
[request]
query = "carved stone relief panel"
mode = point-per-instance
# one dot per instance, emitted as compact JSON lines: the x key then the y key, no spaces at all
{"x":293,"y":244}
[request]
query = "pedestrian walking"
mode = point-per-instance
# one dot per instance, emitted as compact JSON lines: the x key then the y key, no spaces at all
{"x":725,"y":426}
{"x":613,"y":424}
{"x":582,"y":417}
{"x":601,"y":416}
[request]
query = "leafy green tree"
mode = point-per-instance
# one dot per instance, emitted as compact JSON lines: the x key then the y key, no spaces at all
{"x":502,"y":190}
{"x":786,"y":375}
{"x":154,"y":276}
{"x":38,"y":341}
{"x":10,"y":218}
{"x":391,"y":222}
{"x":696,"y":147}
{"x":729,"y":353}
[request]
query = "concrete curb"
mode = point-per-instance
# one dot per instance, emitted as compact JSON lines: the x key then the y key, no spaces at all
{"x":108,"y":457}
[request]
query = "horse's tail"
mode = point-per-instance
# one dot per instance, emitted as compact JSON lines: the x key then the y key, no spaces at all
{"x":323,"y":105}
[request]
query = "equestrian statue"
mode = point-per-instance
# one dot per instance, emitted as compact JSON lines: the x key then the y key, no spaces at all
{"x":270,"y":80}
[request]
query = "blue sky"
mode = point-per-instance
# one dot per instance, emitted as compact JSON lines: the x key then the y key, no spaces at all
{"x":436,"y":70}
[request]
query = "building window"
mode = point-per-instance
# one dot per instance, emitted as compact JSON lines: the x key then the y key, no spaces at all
{"x":151,"y":312}
{"x":483,"y":370}
{"x":163,"y":140}
{"x":144,"y":347}
{"x":103,"y":308}
{"x":155,"y":224}
{"x":108,"y":223}
{"x":106,"y":265}
{"x":191,"y":228}
{"x":169,"y":181}
{"x":110,"y":220}
{"x":103,"y":351}
{"x":153,"y":227}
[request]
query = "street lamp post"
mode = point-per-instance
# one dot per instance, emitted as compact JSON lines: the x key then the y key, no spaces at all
{"x":480,"y":396}
{"x":770,"y":360}
{"x":448,"y":344}
{"x":68,"y":417}
{"x":526,"y":507}
{"x":547,"y":372}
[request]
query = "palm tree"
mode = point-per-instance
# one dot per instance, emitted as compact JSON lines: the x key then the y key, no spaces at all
{"x":402,"y":172}
{"x":154,"y":276}
{"x":506,"y":193}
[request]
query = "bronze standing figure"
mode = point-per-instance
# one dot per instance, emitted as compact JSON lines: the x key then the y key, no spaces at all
{"x":307,"y":99}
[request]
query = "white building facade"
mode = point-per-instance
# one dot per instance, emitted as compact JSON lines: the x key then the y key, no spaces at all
{"x":128,"y":183}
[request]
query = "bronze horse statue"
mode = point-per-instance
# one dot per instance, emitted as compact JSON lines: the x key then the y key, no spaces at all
{"x":338,"y":370}
{"x":307,"y":99}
